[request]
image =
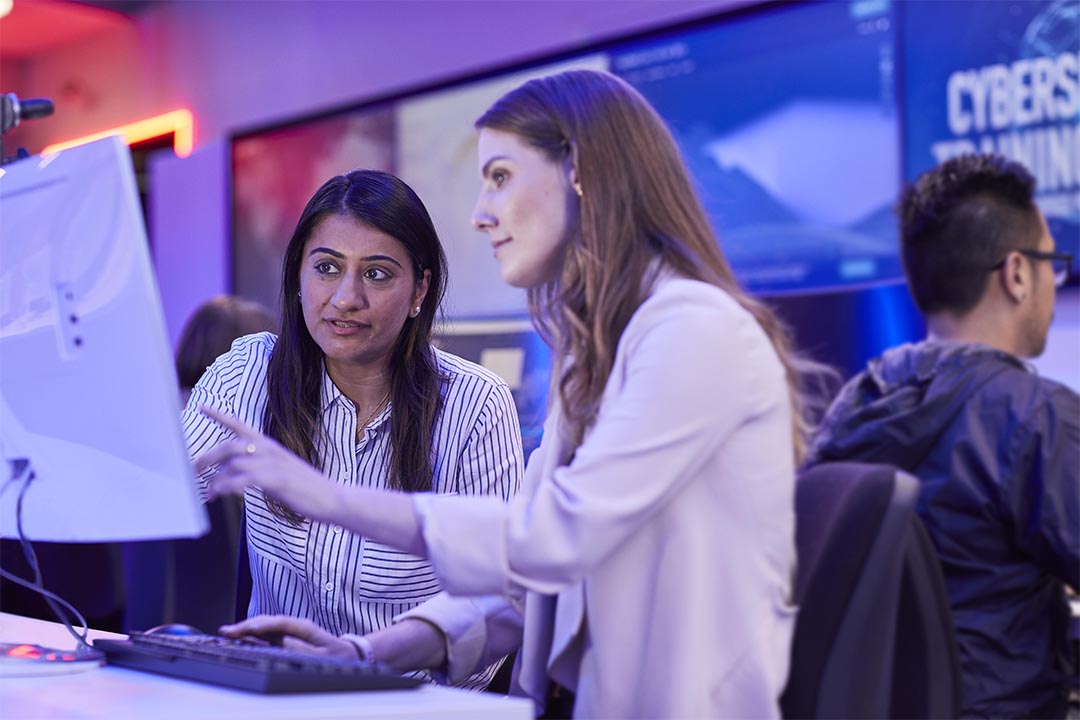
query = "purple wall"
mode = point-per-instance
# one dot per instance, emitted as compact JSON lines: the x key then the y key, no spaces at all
{"x":239,"y":63}
{"x":188,"y":221}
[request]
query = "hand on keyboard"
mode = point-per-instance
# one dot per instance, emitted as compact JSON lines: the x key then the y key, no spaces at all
{"x":291,"y":633}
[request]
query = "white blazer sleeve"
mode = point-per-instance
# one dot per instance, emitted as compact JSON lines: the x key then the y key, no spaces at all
{"x":479,"y":631}
{"x":218,"y":388}
{"x":688,"y":372}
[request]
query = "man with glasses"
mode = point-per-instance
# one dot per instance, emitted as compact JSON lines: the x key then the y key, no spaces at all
{"x":995,"y":447}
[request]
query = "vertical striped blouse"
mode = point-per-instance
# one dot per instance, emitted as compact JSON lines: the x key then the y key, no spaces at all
{"x":343,"y":582}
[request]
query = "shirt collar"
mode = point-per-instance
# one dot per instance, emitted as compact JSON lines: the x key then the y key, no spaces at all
{"x":332,"y":395}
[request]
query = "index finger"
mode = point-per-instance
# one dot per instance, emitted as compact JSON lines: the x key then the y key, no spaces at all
{"x":238,"y":426}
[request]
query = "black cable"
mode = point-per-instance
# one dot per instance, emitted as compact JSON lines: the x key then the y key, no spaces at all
{"x":48,"y":594}
{"x":62,"y":613}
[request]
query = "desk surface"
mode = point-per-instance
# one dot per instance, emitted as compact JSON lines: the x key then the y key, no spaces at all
{"x":117,"y":693}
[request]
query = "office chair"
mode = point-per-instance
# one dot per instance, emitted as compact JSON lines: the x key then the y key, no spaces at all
{"x":243,"y":571}
{"x":188,"y":580}
{"x":874,"y":636}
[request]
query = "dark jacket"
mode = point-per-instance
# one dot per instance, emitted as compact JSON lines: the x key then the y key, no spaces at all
{"x":997,"y":450}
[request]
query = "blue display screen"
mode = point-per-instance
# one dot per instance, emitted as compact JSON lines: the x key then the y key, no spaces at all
{"x":1014,"y":91}
{"x":787,"y":119}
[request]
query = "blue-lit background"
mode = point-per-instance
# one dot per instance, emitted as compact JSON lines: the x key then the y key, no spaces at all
{"x":799,"y":122}
{"x":787,"y":120}
{"x":998,"y":76}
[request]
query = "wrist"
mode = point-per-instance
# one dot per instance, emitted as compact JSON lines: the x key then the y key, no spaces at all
{"x":410,"y":644}
{"x":364,"y":649}
{"x":428,"y":643}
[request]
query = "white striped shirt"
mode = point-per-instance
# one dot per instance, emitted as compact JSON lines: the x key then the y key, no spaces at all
{"x":343,"y":582}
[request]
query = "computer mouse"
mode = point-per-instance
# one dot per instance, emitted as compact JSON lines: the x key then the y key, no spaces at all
{"x":175,"y":629}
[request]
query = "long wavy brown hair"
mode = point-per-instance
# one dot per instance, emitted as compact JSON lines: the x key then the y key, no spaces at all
{"x":637,"y":204}
{"x":294,"y":377}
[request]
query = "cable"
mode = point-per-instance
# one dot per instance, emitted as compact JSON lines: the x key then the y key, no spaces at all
{"x":48,"y":594}
{"x":62,"y":613}
{"x":18,"y":467}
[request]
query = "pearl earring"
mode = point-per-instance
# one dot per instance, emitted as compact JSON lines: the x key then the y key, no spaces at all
{"x":416,"y":311}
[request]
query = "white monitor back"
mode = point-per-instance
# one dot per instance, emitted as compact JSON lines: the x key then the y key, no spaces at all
{"x":88,"y":390}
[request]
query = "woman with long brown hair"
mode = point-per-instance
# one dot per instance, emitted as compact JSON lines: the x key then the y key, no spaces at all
{"x":353,"y":385}
{"x":651,"y":550}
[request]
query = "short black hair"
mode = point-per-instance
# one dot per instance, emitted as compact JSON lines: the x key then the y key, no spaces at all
{"x":957,"y":221}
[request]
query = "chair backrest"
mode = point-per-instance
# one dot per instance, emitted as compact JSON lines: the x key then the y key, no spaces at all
{"x":243,"y":572}
{"x":186,"y":580}
{"x":874,"y":638}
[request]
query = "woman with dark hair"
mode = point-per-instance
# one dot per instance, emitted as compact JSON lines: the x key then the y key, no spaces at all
{"x":651,"y":550}
{"x":354,"y":386}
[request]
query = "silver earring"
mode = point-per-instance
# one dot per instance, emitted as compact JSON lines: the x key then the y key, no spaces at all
{"x":416,"y":311}
{"x":299,"y":296}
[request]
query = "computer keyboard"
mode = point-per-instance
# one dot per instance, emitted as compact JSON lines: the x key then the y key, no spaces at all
{"x":240,"y":664}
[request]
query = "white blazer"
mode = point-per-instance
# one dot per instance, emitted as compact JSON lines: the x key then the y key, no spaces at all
{"x":654,"y":570}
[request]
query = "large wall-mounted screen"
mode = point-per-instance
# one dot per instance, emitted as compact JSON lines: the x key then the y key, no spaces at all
{"x":1014,"y":91}
{"x":788,"y":121}
{"x":785,"y":113}
{"x":798,"y":120}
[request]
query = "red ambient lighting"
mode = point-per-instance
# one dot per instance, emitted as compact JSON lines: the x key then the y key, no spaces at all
{"x":179,"y":123}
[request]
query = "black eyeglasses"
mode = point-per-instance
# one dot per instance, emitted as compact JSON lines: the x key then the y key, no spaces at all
{"x":1061,"y":263}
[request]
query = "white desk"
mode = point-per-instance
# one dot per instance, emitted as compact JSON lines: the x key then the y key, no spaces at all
{"x":117,"y":693}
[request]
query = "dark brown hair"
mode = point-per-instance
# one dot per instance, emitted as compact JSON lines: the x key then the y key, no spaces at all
{"x":294,"y":380}
{"x":210,"y":332}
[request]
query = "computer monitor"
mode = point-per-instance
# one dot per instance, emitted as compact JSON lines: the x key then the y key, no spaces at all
{"x":514,"y":351}
{"x":88,"y":393}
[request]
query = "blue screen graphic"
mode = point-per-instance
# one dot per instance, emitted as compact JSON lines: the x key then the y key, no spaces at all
{"x":998,"y":76}
{"x":788,"y":122}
